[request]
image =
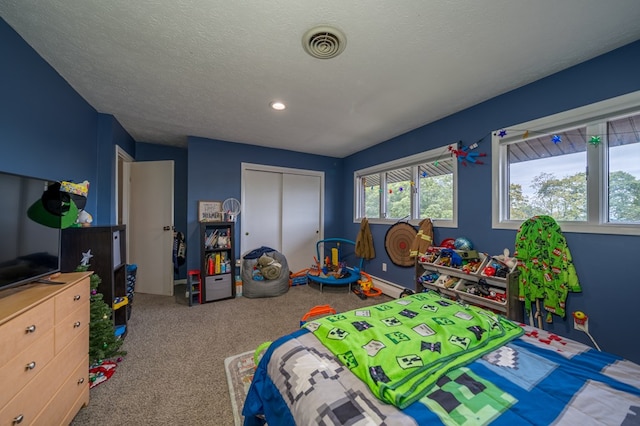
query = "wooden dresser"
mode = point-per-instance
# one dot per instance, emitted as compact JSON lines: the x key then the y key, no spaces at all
{"x":44,"y":351}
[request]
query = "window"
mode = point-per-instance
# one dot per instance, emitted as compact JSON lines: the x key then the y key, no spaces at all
{"x":623,"y":136}
{"x":371,"y":194}
{"x":411,"y":188}
{"x":582,"y":167}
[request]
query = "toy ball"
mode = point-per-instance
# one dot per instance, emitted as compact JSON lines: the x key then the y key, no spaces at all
{"x":489,"y":271}
{"x":448,"y":243}
{"x":462,"y":243}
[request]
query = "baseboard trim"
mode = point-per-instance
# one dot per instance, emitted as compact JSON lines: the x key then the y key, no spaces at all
{"x":387,"y":287}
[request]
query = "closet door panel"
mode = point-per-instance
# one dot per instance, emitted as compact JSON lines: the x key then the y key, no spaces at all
{"x":262,"y":210}
{"x":300,"y":219}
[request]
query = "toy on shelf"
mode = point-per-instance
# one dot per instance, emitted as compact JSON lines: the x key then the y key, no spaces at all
{"x":462,"y":243}
{"x":499,"y":266}
{"x":448,"y":243}
{"x":468,"y":261}
{"x":509,"y":261}
{"x":484,"y":290}
{"x":428,"y":277}
{"x":446,"y":281}
{"x":431,"y":255}
{"x":84,"y":218}
{"x":449,"y":257}
{"x":119,"y":302}
{"x":472,"y":266}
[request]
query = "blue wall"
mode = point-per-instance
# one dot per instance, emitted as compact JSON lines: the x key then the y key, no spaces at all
{"x":110,"y":134}
{"x":215,"y":174}
{"x":47,"y":130}
{"x":610,"y":290}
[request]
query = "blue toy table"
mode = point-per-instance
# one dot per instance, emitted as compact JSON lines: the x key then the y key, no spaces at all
{"x":353,"y":271}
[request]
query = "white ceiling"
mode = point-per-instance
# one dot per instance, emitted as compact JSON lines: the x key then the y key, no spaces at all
{"x":168,"y":69}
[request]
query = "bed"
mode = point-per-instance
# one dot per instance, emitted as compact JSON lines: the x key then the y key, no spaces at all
{"x":507,"y":373}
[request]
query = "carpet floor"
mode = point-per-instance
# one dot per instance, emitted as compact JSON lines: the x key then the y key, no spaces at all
{"x":174,"y":370}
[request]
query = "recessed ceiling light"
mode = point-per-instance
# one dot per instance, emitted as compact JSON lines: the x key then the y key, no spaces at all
{"x":278,"y":106}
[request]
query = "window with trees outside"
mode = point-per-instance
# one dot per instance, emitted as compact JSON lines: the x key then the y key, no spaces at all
{"x":412,"y":188}
{"x":581,"y":167}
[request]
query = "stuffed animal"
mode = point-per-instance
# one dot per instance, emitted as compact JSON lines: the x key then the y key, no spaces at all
{"x":509,"y":261}
{"x":223,"y":240}
{"x":84,"y":218}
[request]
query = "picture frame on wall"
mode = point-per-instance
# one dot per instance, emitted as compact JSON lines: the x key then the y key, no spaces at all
{"x":210,"y":211}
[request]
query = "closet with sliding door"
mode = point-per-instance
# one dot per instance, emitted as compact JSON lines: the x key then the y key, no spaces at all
{"x":282,"y":209}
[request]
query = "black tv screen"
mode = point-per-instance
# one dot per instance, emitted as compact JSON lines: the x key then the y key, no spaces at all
{"x":29,"y":251}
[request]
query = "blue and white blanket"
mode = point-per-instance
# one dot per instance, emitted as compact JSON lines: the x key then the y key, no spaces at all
{"x":539,"y":378}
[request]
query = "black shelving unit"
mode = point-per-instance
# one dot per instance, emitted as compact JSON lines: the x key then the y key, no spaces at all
{"x":217,"y":247}
{"x":107,"y":246}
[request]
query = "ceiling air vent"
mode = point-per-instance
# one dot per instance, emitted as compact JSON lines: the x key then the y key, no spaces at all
{"x":324,"y":42}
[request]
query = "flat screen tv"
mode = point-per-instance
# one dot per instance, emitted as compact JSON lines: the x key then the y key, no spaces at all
{"x":29,"y":251}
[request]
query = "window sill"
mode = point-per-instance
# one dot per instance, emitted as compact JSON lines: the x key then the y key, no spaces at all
{"x":583,"y":228}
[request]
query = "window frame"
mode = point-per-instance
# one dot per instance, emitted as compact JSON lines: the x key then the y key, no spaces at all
{"x":594,"y":118}
{"x":413,"y":161}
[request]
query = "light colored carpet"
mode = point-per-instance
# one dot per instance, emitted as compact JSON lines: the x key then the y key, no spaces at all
{"x":174,"y":370}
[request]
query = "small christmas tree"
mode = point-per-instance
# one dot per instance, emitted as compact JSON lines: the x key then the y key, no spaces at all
{"x":103,"y":343}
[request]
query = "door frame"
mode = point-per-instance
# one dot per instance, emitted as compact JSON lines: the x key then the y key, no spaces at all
{"x":123,"y":189}
{"x":284,"y":170}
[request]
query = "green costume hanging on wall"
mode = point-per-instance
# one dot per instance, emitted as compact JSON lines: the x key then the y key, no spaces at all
{"x":545,"y":265}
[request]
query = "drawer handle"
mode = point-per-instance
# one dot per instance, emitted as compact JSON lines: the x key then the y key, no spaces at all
{"x":76,"y":297}
{"x":81,"y":381}
{"x":31,"y":365}
{"x":18,"y":419}
{"x":76,"y":324}
{"x":30,"y":329}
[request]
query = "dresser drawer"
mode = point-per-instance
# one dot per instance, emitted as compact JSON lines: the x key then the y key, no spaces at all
{"x":22,"y":331}
{"x":25,"y":366}
{"x":36,"y":394}
{"x":70,"y":299}
{"x":76,"y":386}
{"x":70,"y":327}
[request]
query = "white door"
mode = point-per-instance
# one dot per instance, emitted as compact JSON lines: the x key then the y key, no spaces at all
{"x":150,"y":228}
{"x":261,"y":210}
{"x":282,"y":209}
{"x":300,"y":219}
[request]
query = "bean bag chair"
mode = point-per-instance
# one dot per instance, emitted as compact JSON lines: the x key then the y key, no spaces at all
{"x":265,"y":273}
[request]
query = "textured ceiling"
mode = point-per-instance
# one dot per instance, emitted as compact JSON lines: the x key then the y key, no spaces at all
{"x":171,"y":69}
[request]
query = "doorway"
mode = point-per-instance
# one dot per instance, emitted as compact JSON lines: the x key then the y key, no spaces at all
{"x":144,"y":203}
